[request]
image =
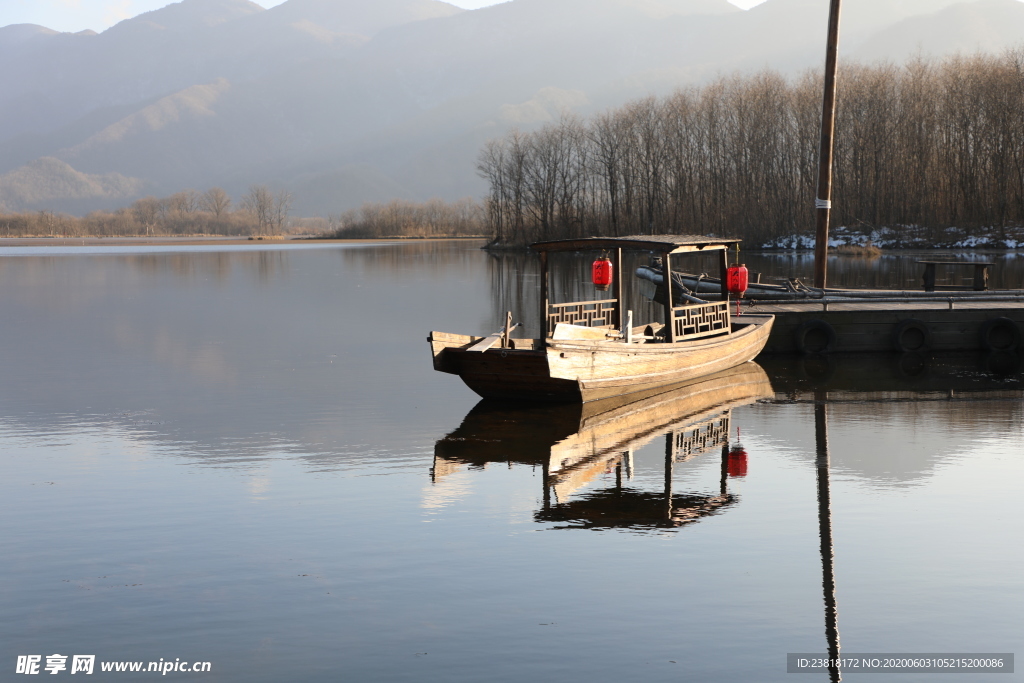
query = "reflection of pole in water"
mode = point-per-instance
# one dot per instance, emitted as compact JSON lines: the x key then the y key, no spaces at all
{"x":828,"y":580}
{"x":546,"y":478}
{"x":670,"y":457}
{"x":723,"y":485}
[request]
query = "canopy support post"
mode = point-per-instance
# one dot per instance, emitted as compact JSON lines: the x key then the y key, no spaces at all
{"x":543,"y":297}
{"x":618,"y":288}
{"x":670,"y":323}
{"x":723,"y":268}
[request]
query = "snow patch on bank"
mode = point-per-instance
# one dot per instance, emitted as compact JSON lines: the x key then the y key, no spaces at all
{"x":904,"y":237}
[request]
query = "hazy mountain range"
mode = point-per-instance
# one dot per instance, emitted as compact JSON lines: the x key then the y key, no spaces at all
{"x":345,"y":101}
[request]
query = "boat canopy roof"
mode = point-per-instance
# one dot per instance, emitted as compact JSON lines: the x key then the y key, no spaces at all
{"x":665,"y":244}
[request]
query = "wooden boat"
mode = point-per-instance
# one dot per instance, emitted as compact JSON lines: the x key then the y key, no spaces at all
{"x":592,"y":350}
{"x":574,"y":445}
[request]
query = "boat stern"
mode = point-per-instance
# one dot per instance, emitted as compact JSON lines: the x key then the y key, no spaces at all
{"x":440,"y":342}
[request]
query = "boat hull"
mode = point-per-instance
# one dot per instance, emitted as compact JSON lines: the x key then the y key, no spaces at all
{"x":584,"y":370}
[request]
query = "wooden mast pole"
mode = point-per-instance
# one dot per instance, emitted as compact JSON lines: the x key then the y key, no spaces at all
{"x":823,"y":199}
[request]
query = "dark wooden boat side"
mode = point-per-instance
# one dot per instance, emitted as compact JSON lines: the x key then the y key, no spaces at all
{"x":519,"y":375}
{"x":516,"y":374}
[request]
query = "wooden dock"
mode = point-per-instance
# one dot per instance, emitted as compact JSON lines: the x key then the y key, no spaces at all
{"x":907,"y":325}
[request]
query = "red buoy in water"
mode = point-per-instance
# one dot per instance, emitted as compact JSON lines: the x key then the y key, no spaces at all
{"x":601,"y":273}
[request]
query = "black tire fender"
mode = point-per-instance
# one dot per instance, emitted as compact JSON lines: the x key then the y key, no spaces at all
{"x":912,"y":336}
{"x":815,"y":336}
{"x":999,"y":334}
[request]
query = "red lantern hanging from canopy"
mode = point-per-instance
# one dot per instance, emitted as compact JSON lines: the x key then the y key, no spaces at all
{"x":737,"y":279}
{"x":601,"y":273}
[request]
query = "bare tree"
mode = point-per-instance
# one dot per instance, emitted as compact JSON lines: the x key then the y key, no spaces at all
{"x":183,"y":204}
{"x":281,"y":209}
{"x":47,"y":220}
{"x":258,"y":202}
{"x":269,"y":211}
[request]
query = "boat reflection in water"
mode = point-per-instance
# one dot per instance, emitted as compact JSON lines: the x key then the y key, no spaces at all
{"x":576,"y":443}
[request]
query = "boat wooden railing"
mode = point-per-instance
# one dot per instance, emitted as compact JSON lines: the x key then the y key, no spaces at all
{"x":700,"y":320}
{"x":585,"y":313}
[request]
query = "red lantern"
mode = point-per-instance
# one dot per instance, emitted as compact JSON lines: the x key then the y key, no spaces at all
{"x":737,"y":279}
{"x":737,"y":463}
{"x":601,"y":273}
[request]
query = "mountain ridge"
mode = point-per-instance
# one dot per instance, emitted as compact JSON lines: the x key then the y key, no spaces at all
{"x":320,"y":96}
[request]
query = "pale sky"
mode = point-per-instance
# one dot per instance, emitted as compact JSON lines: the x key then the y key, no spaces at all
{"x":98,"y":15}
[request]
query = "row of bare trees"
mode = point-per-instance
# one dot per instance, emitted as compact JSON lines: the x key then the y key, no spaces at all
{"x":920,"y":147}
{"x":399,"y":218}
{"x":260,"y":212}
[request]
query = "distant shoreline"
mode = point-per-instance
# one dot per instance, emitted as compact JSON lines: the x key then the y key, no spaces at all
{"x":223,"y":240}
{"x":213,"y":240}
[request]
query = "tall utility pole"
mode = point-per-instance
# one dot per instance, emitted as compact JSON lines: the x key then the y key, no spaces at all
{"x":823,"y":201}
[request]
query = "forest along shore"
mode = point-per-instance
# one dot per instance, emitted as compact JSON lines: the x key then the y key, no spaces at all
{"x":926,"y":147}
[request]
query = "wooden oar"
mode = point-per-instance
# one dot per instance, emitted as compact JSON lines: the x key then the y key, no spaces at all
{"x":488,"y":342}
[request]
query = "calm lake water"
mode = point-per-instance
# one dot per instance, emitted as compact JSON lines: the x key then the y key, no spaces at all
{"x":243,"y":457}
